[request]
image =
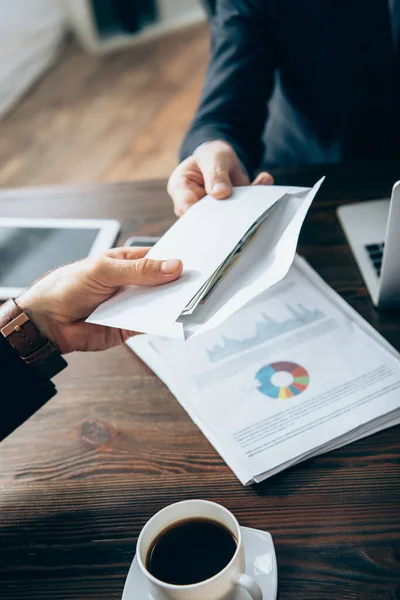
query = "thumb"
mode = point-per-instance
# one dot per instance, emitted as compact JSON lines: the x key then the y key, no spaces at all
{"x":143,"y":271}
{"x":216,"y":167}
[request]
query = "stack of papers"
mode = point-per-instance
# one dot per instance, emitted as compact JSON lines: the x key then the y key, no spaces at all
{"x":232,"y":250}
{"x":294,"y":373}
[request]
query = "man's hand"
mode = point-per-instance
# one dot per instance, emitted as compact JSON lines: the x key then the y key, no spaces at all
{"x":59,"y":303}
{"x":213,"y":169}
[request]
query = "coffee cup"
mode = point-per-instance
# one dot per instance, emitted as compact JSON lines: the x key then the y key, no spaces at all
{"x":193,"y":550}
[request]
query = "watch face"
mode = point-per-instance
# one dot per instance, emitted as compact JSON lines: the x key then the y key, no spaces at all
{"x":12,"y":319}
{"x":23,"y":335}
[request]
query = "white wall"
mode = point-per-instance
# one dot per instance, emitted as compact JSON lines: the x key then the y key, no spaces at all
{"x":31,"y":32}
{"x":175,"y":9}
{"x":30,"y":35}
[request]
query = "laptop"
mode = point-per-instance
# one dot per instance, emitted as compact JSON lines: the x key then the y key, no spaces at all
{"x":373,"y":232}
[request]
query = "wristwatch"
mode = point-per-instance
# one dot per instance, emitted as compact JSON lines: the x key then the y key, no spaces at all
{"x":33,"y":348}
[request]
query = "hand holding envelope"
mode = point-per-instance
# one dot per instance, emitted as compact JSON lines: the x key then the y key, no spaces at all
{"x":232,"y":250}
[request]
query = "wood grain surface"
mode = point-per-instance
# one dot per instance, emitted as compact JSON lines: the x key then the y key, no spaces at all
{"x":113,"y":117}
{"x":79,"y":479}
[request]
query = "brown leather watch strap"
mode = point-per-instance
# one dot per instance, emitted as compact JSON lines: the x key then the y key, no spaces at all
{"x":28,"y":341}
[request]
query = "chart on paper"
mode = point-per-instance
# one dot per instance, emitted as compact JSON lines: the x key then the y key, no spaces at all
{"x":289,"y":376}
{"x":282,"y":380}
{"x":266,"y":328}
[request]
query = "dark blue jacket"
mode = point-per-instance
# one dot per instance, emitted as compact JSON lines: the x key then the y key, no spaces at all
{"x":323,"y":75}
{"x":22,"y":389}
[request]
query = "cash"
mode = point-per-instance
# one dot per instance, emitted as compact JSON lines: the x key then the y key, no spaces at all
{"x":205,"y":291}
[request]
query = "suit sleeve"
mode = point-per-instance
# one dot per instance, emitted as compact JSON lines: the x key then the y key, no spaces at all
{"x":22,"y":389}
{"x":239,"y":81}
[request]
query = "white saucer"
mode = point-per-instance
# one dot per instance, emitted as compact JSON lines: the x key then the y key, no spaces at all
{"x":260,"y":564}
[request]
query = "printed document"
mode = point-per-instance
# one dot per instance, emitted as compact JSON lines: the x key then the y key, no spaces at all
{"x":294,"y":373}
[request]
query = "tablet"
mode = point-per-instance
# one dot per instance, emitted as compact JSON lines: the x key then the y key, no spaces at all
{"x":31,"y":247}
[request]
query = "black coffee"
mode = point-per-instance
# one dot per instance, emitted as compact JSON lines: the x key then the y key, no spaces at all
{"x":190,"y":551}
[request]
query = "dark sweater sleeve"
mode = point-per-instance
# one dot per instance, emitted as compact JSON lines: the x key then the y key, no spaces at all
{"x":22,"y":389}
{"x":239,"y":81}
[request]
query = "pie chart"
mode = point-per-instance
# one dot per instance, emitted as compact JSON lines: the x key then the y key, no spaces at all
{"x":282,"y":380}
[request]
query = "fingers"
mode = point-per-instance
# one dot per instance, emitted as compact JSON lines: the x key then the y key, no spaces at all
{"x":88,"y":337}
{"x":116,"y":272}
{"x":126,"y":334}
{"x":263,"y":178}
{"x":184,"y":196}
{"x":186,"y":186}
{"x":128,"y":253}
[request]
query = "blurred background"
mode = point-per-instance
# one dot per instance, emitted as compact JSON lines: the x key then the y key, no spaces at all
{"x":97,"y":90}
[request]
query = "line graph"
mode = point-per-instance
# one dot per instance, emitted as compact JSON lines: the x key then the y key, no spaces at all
{"x":266,"y":329}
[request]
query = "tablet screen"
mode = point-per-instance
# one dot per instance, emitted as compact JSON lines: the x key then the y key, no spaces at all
{"x":26,"y":253}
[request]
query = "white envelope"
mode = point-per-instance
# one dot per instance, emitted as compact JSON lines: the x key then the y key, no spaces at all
{"x":202,"y":239}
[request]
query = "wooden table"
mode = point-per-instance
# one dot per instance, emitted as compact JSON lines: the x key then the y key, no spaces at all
{"x":79,"y":480}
